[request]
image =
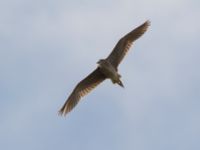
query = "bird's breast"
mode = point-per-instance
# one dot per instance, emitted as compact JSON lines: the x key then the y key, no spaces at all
{"x":109,"y":71}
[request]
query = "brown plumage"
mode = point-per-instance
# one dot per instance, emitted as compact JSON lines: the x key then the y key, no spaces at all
{"x":107,"y":68}
{"x":124,"y":44}
{"x":83,"y":88}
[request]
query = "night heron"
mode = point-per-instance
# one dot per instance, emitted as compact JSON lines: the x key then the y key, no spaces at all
{"x":107,"y":69}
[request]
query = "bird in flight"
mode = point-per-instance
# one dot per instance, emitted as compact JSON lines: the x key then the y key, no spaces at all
{"x":106,"y":69}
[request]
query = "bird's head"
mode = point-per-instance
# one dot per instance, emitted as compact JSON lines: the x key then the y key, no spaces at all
{"x":100,"y":61}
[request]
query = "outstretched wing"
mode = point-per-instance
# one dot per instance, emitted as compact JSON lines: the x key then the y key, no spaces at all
{"x":125,"y":43}
{"x":82,"y":88}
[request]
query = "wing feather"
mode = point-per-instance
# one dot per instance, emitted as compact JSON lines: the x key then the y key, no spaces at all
{"x":124,"y":44}
{"x":83,"y":88}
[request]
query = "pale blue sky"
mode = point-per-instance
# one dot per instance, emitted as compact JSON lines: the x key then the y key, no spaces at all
{"x":46,"y":47}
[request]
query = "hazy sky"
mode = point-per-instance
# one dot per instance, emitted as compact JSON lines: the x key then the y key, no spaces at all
{"x":47,"y":46}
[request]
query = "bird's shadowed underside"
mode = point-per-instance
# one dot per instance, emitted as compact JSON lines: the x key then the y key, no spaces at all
{"x":108,"y":68}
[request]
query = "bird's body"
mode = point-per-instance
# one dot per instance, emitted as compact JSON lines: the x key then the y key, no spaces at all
{"x":110,"y":71}
{"x":107,"y":69}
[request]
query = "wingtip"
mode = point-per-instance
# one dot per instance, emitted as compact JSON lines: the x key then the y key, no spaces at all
{"x":62,"y":112}
{"x":144,"y":26}
{"x":148,"y":23}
